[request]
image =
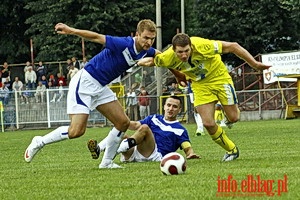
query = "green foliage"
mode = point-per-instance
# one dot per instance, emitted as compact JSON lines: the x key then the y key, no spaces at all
{"x":107,"y":17}
{"x":13,"y":43}
{"x":259,"y":26}
{"x":253,"y":24}
{"x":65,"y":170}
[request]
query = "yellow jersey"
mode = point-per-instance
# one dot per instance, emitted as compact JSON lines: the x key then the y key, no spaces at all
{"x":205,"y":64}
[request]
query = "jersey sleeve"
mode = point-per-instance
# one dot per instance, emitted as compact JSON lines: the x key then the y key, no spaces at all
{"x":183,"y":138}
{"x":165,"y":59}
{"x":206,"y":47}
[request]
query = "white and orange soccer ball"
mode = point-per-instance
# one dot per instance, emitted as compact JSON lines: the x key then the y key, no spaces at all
{"x":173,"y":164}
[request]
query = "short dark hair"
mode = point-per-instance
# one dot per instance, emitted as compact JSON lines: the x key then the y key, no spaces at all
{"x":177,"y":98}
{"x":181,"y":39}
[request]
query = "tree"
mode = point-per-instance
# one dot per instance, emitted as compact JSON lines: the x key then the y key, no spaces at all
{"x":253,"y":24}
{"x":103,"y":16}
{"x":14,"y":46}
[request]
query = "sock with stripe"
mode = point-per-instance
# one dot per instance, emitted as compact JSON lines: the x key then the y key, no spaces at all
{"x":59,"y":134}
{"x":221,"y":139}
{"x":112,"y":144}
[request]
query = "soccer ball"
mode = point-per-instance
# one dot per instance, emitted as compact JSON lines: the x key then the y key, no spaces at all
{"x":173,"y":164}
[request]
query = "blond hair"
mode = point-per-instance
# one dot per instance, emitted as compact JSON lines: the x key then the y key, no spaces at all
{"x":146,"y":24}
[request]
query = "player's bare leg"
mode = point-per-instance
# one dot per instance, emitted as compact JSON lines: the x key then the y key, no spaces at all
{"x":144,"y":140}
{"x":216,"y":132}
{"x":76,"y":129}
{"x":232,"y":114}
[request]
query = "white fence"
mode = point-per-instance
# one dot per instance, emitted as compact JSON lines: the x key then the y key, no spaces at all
{"x":26,"y":110}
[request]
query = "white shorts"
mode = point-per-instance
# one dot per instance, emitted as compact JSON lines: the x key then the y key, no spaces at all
{"x":86,"y":93}
{"x":144,"y":111}
{"x":137,"y":157}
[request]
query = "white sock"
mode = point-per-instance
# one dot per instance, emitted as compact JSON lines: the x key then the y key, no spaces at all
{"x":112,"y":144}
{"x":59,"y":134}
{"x":102,"y":144}
{"x":198,"y":120}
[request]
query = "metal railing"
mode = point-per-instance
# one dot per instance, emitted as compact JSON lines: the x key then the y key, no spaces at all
{"x":26,"y":110}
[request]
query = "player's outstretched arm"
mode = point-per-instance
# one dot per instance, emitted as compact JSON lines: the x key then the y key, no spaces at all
{"x":146,"y":62}
{"x":233,"y":47}
{"x":64,"y":29}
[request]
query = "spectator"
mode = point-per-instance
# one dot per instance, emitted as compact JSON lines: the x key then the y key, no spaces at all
{"x":60,"y":93}
{"x":40,"y":92}
{"x":231,"y":70}
{"x":83,"y":63}
{"x":4,"y":94}
{"x":41,"y":71}
{"x":131,"y":104}
{"x":60,"y":78}
{"x":27,"y":66}
{"x":165,"y":91}
{"x":138,"y":78}
{"x":72,"y":71}
{"x":52,"y":80}
{"x":65,"y":70}
{"x":30,"y":78}
{"x":44,"y":81}
{"x":17,"y":86}
{"x":75,"y":63}
{"x":7,"y":83}
{"x":139,"y":90}
{"x":26,"y":94}
{"x":52,"y":91}
{"x":5,"y":72}
{"x":144,"y":103}
{"x":177,"y":89}
{"x":174,"y":89}
{"x":239,"y":72}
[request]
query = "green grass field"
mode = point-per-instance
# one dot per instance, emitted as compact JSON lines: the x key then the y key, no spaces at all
{"x":269,"y":150}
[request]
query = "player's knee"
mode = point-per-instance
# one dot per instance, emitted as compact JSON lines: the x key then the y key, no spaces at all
{"x":75,"y":132}
{"x":122,"y":125}
{"x":209,"y":123}
{"x":234,"y":119}
{"x":144,"y":129}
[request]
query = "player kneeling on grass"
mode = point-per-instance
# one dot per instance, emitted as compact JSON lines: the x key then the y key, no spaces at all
{"x":155,"y":136}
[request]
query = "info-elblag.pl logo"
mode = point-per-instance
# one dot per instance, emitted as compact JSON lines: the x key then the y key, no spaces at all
{"x":251,"y":186}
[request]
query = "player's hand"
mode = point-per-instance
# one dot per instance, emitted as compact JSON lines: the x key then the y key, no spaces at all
{"x":180,"y":77}
{"x":63,"y":28}
{"x":146,"y":62}
{"x":260,"y":66}
{"x":193,"y":156}
{"x":181,"y":80}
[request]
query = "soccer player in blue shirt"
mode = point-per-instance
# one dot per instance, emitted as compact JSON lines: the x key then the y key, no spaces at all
{"x":155,"y":136}
{"x":88,"y":89}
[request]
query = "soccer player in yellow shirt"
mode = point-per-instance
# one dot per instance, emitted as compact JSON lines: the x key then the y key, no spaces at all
{"x":199,"y":60}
